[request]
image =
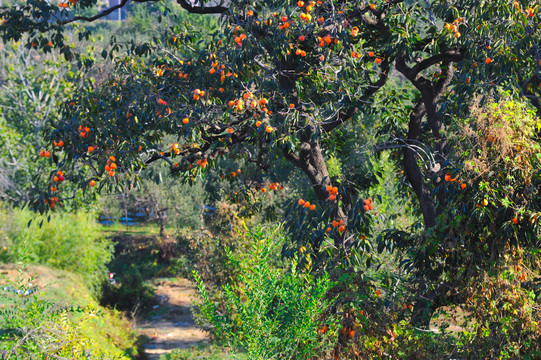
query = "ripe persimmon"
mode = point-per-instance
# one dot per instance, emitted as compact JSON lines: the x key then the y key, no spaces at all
{"x":301,"y":202}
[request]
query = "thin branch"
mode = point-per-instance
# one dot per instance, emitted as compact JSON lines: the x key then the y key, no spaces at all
{"x":97,"y":16}
{"x":372,"y":89}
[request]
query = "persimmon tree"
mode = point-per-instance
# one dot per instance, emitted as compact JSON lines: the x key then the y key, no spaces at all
{"x":278,"y":79}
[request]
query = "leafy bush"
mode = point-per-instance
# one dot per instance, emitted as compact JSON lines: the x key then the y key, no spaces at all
{"x":202,"y":351}
{"x":375,"y":314}
{"x":206,"y":252}
{"x":268,"y":311}
{"x":503,"y":315}
{"x":65,"y":241}
{"x":35,"y":324}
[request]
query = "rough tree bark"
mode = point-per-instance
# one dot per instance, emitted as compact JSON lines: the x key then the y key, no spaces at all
{"x":429,"y":295}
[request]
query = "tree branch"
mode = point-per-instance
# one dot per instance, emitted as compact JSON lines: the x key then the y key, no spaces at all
{"x":373,"y":87}
{"x":97,"y":16}
{"x":453,"y":55}
{"x":216,"y":9}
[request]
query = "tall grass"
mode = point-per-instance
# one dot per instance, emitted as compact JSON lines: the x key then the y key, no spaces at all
{"x":67,"y":241}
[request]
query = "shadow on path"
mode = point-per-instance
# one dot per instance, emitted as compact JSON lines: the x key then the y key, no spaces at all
{"x":170,"y":325}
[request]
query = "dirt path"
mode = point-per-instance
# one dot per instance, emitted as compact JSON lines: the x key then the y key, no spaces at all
{"x":170,"y":325}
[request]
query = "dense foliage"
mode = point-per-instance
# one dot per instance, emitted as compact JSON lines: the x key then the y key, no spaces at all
{"x":39,"y":319}
{"x":316,"y":105}
{"x":268,"y":313}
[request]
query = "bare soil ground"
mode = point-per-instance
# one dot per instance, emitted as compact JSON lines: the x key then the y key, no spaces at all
{"x":170,"y":325}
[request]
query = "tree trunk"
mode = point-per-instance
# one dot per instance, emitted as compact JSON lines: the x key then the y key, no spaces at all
{"x":427,"y":300}
{"x":413,"y":172}
{"x":162,"y":224}
{"x":312,"y":163}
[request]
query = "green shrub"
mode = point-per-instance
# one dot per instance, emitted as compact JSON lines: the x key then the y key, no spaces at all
{"x":67,"y":241}
{"x":502,"y":318}
{"x":269,"y":312}
{"x":202,"y":351}
{"x":57,"y":321}
{"x":131,"y":293}
{"x":205,"y":251}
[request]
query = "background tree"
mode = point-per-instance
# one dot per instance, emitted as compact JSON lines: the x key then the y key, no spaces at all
{"x":33,"y":87}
